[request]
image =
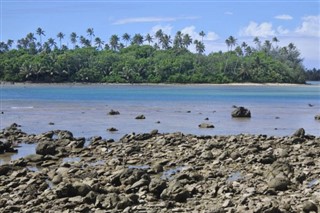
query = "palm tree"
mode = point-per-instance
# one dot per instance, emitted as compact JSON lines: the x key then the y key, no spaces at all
{"x":98,"y":42}
{"x":137,"y":39}
{"x":52,"y":43}
{"x":159,"y":35}
{"x":178,"y":40}
{"x":126,"y":37}
{"x":291,"y":46}
{"x":256,"y":40}
{"x":9,"y":43}
{"x":166,"y":41}
{"x":186,"y":40}
{"x":85,"y":42}
{"x":40,"y":32}
{"x":267,"y":46}
{"x":202,"y":34}
{"x":248,"y":50}
{"x":200,"y":48}
{"x":228,"y":43}
{"x":232,"y":41}
{"x":275,"y":40}
{"x":244,"y":46}
{"x":90,"y":33}
{"x":148,"y":38}
{"x":73,"y":39}
{"x":114,"y":42}
{"x":22,"y":43}
{"x":60,"y":36}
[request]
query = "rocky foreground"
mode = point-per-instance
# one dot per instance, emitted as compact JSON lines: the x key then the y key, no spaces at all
{"x":156,"y":172}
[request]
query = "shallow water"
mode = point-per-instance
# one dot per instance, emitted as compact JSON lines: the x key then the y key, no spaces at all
{"x":83,"y":109}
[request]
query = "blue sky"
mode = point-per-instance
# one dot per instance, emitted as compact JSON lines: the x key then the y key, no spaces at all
{"x":289,"y":21}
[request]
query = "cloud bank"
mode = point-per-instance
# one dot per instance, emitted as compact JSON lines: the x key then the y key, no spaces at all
{"x":152,"y":19}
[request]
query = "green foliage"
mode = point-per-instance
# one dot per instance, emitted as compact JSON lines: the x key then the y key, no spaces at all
{"x":139,"y":63}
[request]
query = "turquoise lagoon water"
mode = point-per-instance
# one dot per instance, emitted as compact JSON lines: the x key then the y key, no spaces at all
{"x":82,"y":109}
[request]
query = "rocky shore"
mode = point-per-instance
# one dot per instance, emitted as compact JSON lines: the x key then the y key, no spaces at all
{"x":156,"y":172}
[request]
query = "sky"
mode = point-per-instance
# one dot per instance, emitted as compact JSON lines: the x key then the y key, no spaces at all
{"x":290,"y":21}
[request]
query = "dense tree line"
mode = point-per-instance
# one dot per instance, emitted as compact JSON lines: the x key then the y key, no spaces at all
{"x":146,"y":59}
{"x":313,"y":75}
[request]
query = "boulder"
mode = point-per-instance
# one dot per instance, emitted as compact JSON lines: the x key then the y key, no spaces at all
{"x":156,"y":186}
{"x":64,"y":134}
{"x":140,"y":117}
{"x":112,"y":129}
{"x":113,"y":112}
{"x":299,"y":133}
{"x":241,"y":112}
{"x":279,"y":184}
{"x":309,"y":206}
{"x":46,"y":148}
{"x":176,"y":192}
{"x":205,"y":125}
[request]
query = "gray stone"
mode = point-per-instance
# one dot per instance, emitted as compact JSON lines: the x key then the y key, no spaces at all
{"x":113,"y":112}
{"x":299,"y":133}
{"x":241,"y":112}
{"x":205,"y":125}
{"x":46,"y":148}
{"x":279,"y":183}
{"x":309,"y":206}
{"x":139,"y":117}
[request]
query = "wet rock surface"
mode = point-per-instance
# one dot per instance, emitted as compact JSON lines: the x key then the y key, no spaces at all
{"x":154,"y":172}
{"x":241,"y":112}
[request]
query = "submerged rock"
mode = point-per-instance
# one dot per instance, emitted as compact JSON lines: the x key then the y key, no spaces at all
{"x":205,"y":125}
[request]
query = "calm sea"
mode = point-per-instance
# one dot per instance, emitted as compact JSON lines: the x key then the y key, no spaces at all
{"x":83,"y":109}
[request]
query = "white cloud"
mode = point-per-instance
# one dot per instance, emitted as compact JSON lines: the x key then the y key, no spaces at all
{"x":211,"y":36}
{"x":284,"y":17}
{"x":191,"y":30}
{"x":228,"y":13}
{"x":260,"y":30}
{"x":152,"y":19}
{"x":282,"y":31}
{"x":165,"y":29}
{"x":309,"y":26}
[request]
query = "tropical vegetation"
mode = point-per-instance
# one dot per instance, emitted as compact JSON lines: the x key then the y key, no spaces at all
{"x":154,"y":58}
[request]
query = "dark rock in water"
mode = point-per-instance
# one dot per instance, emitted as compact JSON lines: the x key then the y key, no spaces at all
{"x":140,"y":117}
{"x":51,"y":123}
{"x":299,"y":133}
{"x":113,"y":112}
{"x":241,"y":112}
{"x":46,"y":148}
{"x":205,"y":125}
{"x":206,"y":119}
{"x":112,"y":129}
{"x":317,"y":117}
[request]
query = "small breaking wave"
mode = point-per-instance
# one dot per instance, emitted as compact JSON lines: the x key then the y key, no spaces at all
{"x":22,"y":107}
